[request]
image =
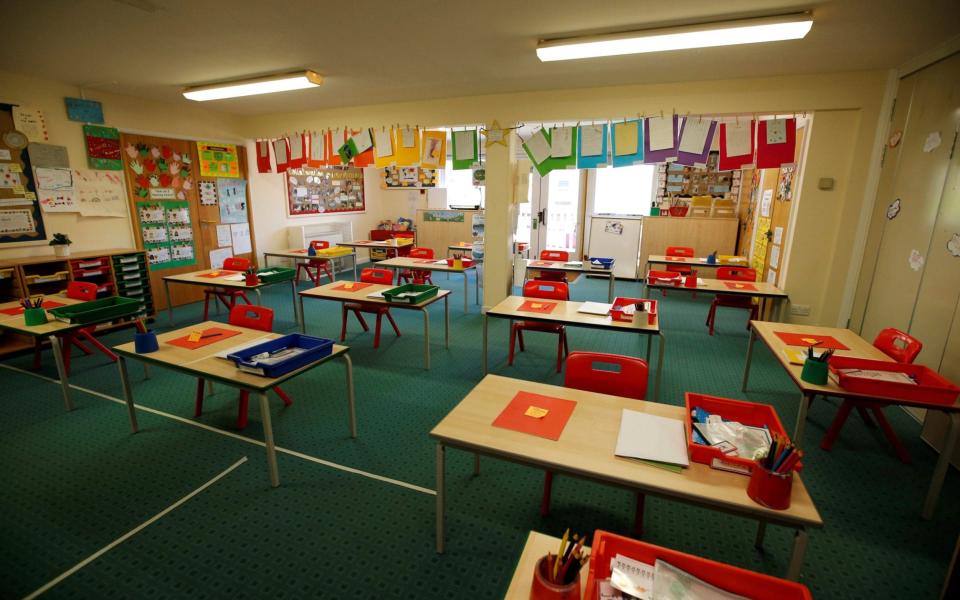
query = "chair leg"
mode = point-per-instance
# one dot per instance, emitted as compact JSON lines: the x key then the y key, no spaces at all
{"x":37,"y":348}
{"x":898,"y":446}
{"x":376,"y":333}
{"x":206,"y":305}
{"x":198,"y":404}
{"x":283,"y":396}
{"x":865,"y":416}
{"x":560,"y":352}
{"x":712,"y":317}
{"x":82,"y":348}
{"x":547,"y":489}
{"x":393,"y":323}
{"x":363,"y":322}
{"x":836,"y":425}
{"x":638,"y":516}
{"x":329,"y":273}
{"x":520,"y":339}
{"x":243,"y":296}
{"x":66,"y":347}
{"x":513,"y":341}
{"x":244,"y":407}
{"x":86,"y":335}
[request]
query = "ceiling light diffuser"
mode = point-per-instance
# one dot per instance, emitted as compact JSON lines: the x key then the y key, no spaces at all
{"x":251,"y":87}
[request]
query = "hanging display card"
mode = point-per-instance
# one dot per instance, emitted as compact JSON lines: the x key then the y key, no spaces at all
{"x":736,"y":145}
{"x":322,"y":191}
{"x":627,"y":146}
{"x":103,"y":147}
{"x":218,"y":160}
{"x":660,"y":140}
{"x":408,"y":147}
{"x":433,"y":149}
{"x":298,"y":156}
{"x":383,"y":143}
{"x":592,"y":146}
{"x":537,"y":147}
{"x":696,"y":139}
{"x":561,"y":142}
{"x":29,"y":121}
{"x":318,"y":150}
{"x":281,"y":154}
{"x":776,"y":143}
{"x":464,"y":148}
{"x":232,"y":195}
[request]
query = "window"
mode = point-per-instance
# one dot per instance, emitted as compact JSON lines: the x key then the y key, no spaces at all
{"x":624,"y":190}
{"x":460,"y":188}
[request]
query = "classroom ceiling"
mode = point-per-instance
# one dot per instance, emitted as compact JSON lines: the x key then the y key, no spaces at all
{"x":381,"y":51}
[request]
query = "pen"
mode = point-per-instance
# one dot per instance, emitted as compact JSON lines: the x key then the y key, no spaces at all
{"x":210,"y":335}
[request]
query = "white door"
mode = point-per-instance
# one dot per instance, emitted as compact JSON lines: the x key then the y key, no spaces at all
{"x":550,"y":219}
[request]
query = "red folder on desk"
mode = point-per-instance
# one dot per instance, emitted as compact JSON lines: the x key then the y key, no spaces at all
{"x":518,"y":415}
{"x":537,"y":307}
{"x":351,"y":286}
{"x":735,"y":285}
{"x":217,"y":274}
{"x":822,"y":342}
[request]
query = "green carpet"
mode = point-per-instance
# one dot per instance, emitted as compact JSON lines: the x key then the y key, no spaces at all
{"x":75,"y":482}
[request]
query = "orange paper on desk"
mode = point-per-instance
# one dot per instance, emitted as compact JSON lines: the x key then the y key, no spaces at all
{"x":735,"y":285}
{"x":549,"y":426}
{"x":220,"y":273}
{"x":18,"y":310}
{"x":352,"y":286}
{"x":208,"y":336}
{"x":537,"y":307}
{"x":821,"y":342}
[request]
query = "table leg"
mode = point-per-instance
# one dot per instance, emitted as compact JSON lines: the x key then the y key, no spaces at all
{"x":440,"y":498}
{"x":761,"y":532}
{"x":268,"y":439}
{"x":610,"y":291}
{"x":746,"y":366}
{"x":259,"y":296}
{"x":57,"y":348}
{"x":801,"y":419}
{"x":293,"y":290}
{"x":649,"y":344}
{"x":466,"y":293}
{"x":350,"y":397}
{"x":266,"y":261}
{"x":476,"y":286}
{"x":476,"y":464}
{"x":209,"y":387}
{"x":483,"y":356}
{"x":940,"y":470}
{"x":127,"y":393}
{"x":355,"y":278}
{"x":166,"y":288}
{"x":782,"y":310}
{"x":446,"y":321}
{"x":303,"y":319}
{"x":426,"y":338}
{"x":656,"y":389}
{"x":796,"y":556}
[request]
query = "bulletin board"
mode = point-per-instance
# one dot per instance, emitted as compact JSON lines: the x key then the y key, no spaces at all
{"x":332,"y":190}
{"x":20,"y":217}
{"x":406,"y":178}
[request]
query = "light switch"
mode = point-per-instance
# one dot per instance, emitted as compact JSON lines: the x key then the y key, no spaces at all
{"x":825,"y":183}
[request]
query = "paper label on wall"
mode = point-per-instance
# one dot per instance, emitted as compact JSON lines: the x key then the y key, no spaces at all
{"x":18,"y":221}
{"x":223,"y":236}
{"x":561,"y":142}
{"x":626,"y":136}
{"x":383,"y":142}
{"x":776,"y":131}
{"x":591,"y":140}
{"x":771,"y":277}
{"x":241,"y":238}
{"x":219,"y":255}
{"x":46,"y":155}
{"x":5,"y":154}
{"x":464,"y":145}
{"x":154,"y":234}
{"x":363,"y":141}
{"x":661,"y":133}
{"x":163,"y":194}
{"x":738,"y":138}
{"x":182,"y":252}
{"x":29,"y":121}
{"x":765,"y":203}
{"x":181,"y":233}
{"x":778,"y":235}
{"x":408,"y":137}
{"x":54,"y":179}
{"x":208,"y":192}
{"x":58,"y":201}
{"x":538,"y":146}
{"x":694,"y":136}
{"x":775,"y":256}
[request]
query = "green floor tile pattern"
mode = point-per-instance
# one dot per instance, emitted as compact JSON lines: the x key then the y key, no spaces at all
{"x":77,"y":481}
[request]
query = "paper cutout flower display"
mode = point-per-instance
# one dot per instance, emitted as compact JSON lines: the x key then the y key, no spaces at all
{"x":137,"y":167}
{"x":155,"y":152}
{"x":166,"y":151}
{"x":154,"y":181}
{"x":915,"y":260}
{"x":131,"y":150}
{"x":175,"y":168}
{"x":953,"y":245}
{"x":142,"y":150}
{"x":165,"y":180}
{"x":143,"y":181}
{"x":149,"y":165}
{"x":893,"y":210}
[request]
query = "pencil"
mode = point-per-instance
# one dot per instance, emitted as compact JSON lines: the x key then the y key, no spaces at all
{"x":556,"y":563}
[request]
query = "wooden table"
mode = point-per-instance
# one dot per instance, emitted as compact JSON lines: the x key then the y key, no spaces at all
{"x":566,"y":313}
{"x":391,"y":245}
{"x":460,"y":247}
{"x":301,"y":254}
{"x":537,"y":546}
{"x":428,"y":264}
{"x":764,"y":291}
{"x":586,"y":450}
{"x":327,"y":292}
{"x":565,"y":267}
{"x":693,"y":261}
{"x":54,"y":331}
{"x":203,"y":363}
{"x":196,"y":278}
{"x":859,"y":348}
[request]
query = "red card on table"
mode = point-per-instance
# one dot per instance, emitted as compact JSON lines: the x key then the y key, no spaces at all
{"x":822,"y":342}
{"x":537,"y":307}
{"x":676,"y":258}
{"x":351,"y":286}
{"x":216,"y":334}
{"x":18,"y":310}
{"x":215,"y":274}
{"x":543,"y":263}
{"x":552,"y":415}
{"x":734,"y":285}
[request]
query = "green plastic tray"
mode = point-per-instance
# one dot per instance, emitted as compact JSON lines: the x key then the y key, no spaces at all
{"x":411,"y":293}
{"x":279,"y":274}
{"x":97,"y":311}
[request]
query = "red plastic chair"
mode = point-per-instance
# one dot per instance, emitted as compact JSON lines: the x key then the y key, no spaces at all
{"x":315,"y":267}
{"x":627,"y":379}
{"x":549,"y":290}
{"x":251,"y":317}
{"x":553,"y":275}
{"x":370,"y":275}
{"x":730,"y":301}
{"x":902,"y":348}
{"x":420,"y":277}
{"x":228,"y":296}
{"x":686,"y":252}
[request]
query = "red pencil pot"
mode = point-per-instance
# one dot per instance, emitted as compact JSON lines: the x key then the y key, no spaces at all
{"x":542,"y":589}
{"x":252,"y":279}
{"x":770,"y":489}
{"x":690,"y":281}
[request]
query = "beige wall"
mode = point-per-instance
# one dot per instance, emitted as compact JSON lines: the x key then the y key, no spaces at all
{"x":123,"y":112}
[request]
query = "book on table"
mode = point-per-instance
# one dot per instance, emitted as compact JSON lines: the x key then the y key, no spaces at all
{"x":651,"y":437}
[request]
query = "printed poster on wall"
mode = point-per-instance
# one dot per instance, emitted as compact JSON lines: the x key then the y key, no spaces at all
{"x":233,"y":200}
{"x":218,"y":160}
{"x":322,"y":191}
{"x":167,"y":234}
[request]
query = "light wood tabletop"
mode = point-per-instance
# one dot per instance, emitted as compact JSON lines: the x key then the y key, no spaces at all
{"x":302,"y":254}
{"x":537,"y":546}
{"x":586,"y":449}
{"x":733,"y":288}
{"x":696,"y":261}
{"x":391,"y":243}
{"x":424,"y":264}
{"x":581,"y":269}
{"x":17,"y":324}
{"x":200,"y":278}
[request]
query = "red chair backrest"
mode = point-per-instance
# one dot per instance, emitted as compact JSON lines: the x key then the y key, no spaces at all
{"x":550,"y":290}
{"x":82,"y":290}
{"x":679,"y":251}
{"x":736,"y":274}
{"x":418,"y":252}
{"x":373,"y":275}
{"x":319,"y":244}
{"x":624,"y":376}
{"x":898,"y":345}
{"x":554,"y":255}
{"x":251,"y":316}
{"x":236,"y":263}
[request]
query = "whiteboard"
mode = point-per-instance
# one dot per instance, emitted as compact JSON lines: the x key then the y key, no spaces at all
{"x":617,"y":238}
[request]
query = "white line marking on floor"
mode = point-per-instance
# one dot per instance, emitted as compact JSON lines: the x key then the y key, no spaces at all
{"x":319,"y":461}
{"x":133,"y":531}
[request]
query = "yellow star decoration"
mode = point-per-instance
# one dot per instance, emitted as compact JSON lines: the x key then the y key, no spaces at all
{"x":495,"y":134}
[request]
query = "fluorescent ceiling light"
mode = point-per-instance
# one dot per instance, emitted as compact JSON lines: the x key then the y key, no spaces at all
{"x":723,"y":33}
{"x":251,"y":87}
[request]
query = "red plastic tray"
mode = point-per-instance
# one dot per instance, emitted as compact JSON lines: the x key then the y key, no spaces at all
{"x":732,"y":579}
{"x":617,"y":315}
{"x":931,"y":387}
{"x":748,"y":413}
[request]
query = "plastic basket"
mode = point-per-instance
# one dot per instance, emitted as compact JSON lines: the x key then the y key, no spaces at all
{"x":276,"y":274}
{"x":411,"y":293}
{"x":930,"y":386}
{"x":747,"y":413}
{"x":334,"y":251}
{"x":467,"y":262}
{"x":617,"y":314}
{"x":96,"y":311}
{"x":679,"y":211}
{"x":250,"y":360}
{"x":601,"y":264}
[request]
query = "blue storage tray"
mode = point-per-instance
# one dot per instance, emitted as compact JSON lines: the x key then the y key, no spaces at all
{"x":314,"y":349}
{"x":597,"y":262}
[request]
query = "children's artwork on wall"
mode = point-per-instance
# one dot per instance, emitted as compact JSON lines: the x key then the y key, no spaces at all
{"x":785,"y":182}
{"x":324,"y":191}
{"x":218,"y":160}
{"x":428,"y":177}
{"x":478,"y":177}
{"x":263,"y":157}
{"x":281,"y":153}
{"x":103,"y":147}
{"x":232,"y":195}
{"x":298,"y":151}
{"x":776,"y":143}
{"x":84,"y":111}
{"x":592,"y":146}
{"x":915,"y":260}
{"x":208,"y":192}
{"x":383,"y":153}
{"x":464,"y":149}
{"x":661,"y":136}
{"x":696,"y":139}
{"x":953,"y":245}
{"x":48,"y":155}
{"x":29,"y":121}
{"x":443,"y":216}
{"x":318,"y":149}
{"x":893,"y":210}
{"x":407,"y":147}
{"x":100,"y":194}
{"x":627,"y":142}
{"x":21,"y":219}
{"x":402,"y":178}
{"x":736,"y":145}
{"x":433,"y":149}
{"x":167,"y":233}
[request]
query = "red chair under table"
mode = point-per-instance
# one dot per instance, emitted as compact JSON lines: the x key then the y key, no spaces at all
{"x":419,"y":276}
{"x":549,"y":290}
{"x":315,"y":267}
{"x":684,"y":270}
{"x":902,"y":348}
{"x":623,"y":376}
{"x":251,"y":317}
{"x":370,"y":275}
{"x":731,"y":301}
{"x":553,"y":255}
{"x":228,"y":296}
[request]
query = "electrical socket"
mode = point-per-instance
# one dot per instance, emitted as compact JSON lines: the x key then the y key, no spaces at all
{"x":800,"y":310}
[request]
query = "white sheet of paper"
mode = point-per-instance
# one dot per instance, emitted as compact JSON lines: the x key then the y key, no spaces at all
{"x":58,"y":201}
{"x":280,"y":151}
{"x":778,"y":235}
{"x":375,"y":295}
{"x":626,"y":136}
{"x":408,"y":137}
{"x":771,"y":277}
{"x":223,"y":236}
{"x":738,"y":139}
{"x":241,"y":238}
{"x":765,"y":202}
{"x":363,"y":141}
{"x":650,"y":437}
{"x":318,"y":149}
{"x":595,"y":308}
{"x":237,"y":277}
{"x":383,"y":142}
{"x":464,"y":145}
{"x":694,"y":136}
{"x":54,"y":179}
{"x":538,"y":146}
{"x":776,"y":131}
{"x":218,"y":256}
{"x":561,"y":141}
{"x":591,"y":140}
{"x":296,"y":147}
{"x":100,"y":193}
{"x":661,"y":132}
{"x":775,"y":256}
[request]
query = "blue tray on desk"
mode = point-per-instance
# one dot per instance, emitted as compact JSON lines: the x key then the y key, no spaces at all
{"x":316,"y":348}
